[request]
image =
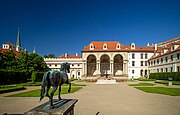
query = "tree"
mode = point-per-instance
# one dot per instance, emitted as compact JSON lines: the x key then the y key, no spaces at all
{"x":50,"y":56}
{"x":8,"y":60}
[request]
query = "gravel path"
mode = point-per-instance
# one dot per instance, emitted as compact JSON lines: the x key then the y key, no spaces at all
{"x":105,"y":100}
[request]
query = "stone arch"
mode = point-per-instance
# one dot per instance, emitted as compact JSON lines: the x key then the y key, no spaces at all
{"x":104,"y":64}
{"x":91,"y":64}
{"x":118,"y":65}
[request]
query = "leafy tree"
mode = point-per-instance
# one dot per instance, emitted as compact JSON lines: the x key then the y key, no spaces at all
{"x":50,"y":56}
{"x":8,"y":60}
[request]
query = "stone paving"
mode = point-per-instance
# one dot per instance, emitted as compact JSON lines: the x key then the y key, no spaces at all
{"x":104,"y":99}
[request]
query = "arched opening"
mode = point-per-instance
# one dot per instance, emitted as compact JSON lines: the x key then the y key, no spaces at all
{"x":105,"y":64}
{"x":118,"y":65}
{"x":91,"y":65}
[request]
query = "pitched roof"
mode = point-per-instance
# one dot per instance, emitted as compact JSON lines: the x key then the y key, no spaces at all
{"x":168,"y":48}
{"x":111,"y":46}
{"x":11,"y":44}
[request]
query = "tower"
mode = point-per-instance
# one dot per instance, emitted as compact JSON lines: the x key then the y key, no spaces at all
{"x":18,"y":42}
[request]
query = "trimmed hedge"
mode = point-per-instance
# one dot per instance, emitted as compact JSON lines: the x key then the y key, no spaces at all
{"x":37,"y":76}
{"x":11,"y":89}
{"x":165,"y":76}
{"x":12,"y":77}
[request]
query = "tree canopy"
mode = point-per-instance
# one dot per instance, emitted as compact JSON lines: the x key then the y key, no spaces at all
{"x":26,"y":62}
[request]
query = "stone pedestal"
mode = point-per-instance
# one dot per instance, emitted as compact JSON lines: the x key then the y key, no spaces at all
{"x":62,"y":107}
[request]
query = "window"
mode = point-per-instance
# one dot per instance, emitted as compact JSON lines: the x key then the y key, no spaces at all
{"x":146,"y":56}
{"x":178,"y":68}
{"x":105,"y":46}
{"x":79,"y":73}
{"x":157,"y":61}
{"x":78,"y":64}
{"x":118,"y":46}
{"x":154,"y":62}
{"x":161,"y":60}
{"x":178,"y":56}
{"x":91,"y":47}
{"x":55,"y":65}
{"x":132,"y":71}
{"x":166,"y":69}
{"x":72,"y":64}
{"x":158,"y":70}
{"x":166,"y":59}
{"x":171,"y":69}
{"x":133,"y":63}
{"x":171,"y":57}
{"x":161,"y":69}
{"x":133,"y":56}
{"x":50,"y":65}
{"x":146,"y":63}
{"x":141,"y":63}
{"x":141,"y":56}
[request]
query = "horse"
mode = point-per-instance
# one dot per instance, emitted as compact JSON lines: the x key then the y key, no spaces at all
{"x":55,"y":78}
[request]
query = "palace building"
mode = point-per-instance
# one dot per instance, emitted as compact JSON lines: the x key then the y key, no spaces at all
{"x":119,"y":61}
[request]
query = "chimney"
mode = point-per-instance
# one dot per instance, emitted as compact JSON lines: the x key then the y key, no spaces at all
{"x":66,"y":54}
{"x":155,"y":47}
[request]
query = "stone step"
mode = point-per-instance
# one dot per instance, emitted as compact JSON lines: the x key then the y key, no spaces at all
{"x":100,"y":81}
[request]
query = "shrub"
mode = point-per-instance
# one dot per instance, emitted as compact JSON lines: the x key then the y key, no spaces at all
{"x":12,"y":77}
{"x":165,"y":76}
{"x":37,"y":76}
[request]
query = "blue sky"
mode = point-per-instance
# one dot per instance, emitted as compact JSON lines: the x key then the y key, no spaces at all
{"x":60,"y":26}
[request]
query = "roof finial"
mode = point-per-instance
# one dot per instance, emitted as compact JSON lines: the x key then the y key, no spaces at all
{"x":34,"y":51}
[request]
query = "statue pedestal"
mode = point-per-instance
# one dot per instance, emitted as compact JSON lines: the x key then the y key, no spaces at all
{"x":62,"y":107}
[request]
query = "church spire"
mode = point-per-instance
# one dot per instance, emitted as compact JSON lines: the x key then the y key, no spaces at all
{"x":34,"y":51}
{"x":18,"y":41}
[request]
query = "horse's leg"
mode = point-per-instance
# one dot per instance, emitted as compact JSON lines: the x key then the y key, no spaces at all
{"x":51,"y":97}
{"x":47,"y":90}
{"x":69,"y":87}
{"x":59,"y":92}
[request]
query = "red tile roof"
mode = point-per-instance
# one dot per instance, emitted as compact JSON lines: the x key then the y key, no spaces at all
{"x":11,"y":44}
{"x":111,"y":46}
{"x":168,"y":47}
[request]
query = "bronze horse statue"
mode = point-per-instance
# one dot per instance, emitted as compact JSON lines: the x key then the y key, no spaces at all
{"x":55,"y":78}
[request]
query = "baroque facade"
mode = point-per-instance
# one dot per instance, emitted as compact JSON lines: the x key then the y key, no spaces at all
{"x":116,"y":60}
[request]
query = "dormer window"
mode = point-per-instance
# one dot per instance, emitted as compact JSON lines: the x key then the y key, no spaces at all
{"x":105,"y":47}
{"x":118,"y":46}
{"x":132,"y":45}
{"x":91,"y":47}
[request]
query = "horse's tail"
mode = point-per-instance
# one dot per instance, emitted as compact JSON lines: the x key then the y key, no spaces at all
{"x":44,"y":83}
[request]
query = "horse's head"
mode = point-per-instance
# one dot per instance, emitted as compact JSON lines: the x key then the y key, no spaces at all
{"x":66,"y":67}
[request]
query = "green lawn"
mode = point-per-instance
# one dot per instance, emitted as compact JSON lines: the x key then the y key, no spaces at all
{"x":142,"y":84}
{"x":36,"y":93}
{"x":8,"y":88}
{"x":165,"y":82}
{"x":161,"y":90}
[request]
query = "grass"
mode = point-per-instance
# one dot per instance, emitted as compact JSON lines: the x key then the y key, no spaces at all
{"x":167,"y":82}
{"x":142,"y":84}
{"x":144,"y":79}
{"x":161,"y":90}
{"x":6,"y":88}
{"x":36,"y":93}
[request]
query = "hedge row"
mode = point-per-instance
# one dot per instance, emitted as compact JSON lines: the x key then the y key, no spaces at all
{"x":37,"y":76}
{"x":11,"y":89}
{"x":12,"y":77}
{"x":165,"y":76}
